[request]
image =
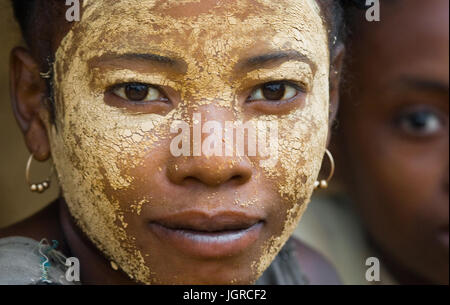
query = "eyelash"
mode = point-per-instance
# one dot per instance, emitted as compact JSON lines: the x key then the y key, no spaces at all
{"x":121,"y":91}
{"x":257,"y":94}
{"x":291,"y":87}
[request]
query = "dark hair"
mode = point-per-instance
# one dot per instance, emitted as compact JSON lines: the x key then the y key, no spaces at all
{"x":23,"y":11}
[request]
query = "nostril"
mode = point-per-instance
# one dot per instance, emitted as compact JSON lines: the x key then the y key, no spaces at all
{"x":240,"y":179}
{"x":190,"y":179}
{"x":211,"y":172}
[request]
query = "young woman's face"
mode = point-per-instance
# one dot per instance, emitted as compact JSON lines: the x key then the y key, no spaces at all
{"x":128,"y":70}
{"x":394,"y":133}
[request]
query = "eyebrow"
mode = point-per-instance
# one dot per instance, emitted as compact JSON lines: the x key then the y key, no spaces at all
{"x":248,"y":64}
{"x":425,"y":85}
{"x":260,"y":61}
{"x":113,"y":59}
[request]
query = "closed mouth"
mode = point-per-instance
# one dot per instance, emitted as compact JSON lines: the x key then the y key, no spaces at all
{"x":201,"y":235}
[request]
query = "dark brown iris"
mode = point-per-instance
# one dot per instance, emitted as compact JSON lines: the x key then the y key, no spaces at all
{"x":136,"y":92}
{"x":273,"y":91}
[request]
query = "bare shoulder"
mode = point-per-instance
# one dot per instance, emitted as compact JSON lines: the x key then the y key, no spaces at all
{"x":316,"y":267}
{"x":43,"y":224}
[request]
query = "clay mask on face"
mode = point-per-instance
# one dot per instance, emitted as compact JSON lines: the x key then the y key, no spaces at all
{"x":96,"y":145}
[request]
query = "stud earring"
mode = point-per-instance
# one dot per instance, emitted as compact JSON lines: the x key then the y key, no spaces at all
{"x":114,"y":265}
{"x":36,"y":187}
{"x":49,"y":73}
{"x":323,"y":184}
{"x":46,"y":75}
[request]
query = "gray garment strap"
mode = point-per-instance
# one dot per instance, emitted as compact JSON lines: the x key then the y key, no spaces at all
{"x":285,"y":269}
{"x":21,"y":262}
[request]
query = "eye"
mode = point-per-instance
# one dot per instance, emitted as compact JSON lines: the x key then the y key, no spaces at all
{"x":274,"y":91}
{"x":137,"y":92}
{"x":420,"y":123}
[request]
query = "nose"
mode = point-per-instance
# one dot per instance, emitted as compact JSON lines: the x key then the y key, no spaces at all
{"x":209,"y":169}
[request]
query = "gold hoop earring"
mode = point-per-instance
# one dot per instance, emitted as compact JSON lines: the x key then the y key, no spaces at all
{"x":37,"y":187}
{"x":323,"y":184}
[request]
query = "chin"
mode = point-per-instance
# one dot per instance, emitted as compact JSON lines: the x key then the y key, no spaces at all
{"x":217,"y":272}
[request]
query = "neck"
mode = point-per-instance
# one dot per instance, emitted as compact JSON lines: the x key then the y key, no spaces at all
{"x":94,"y":267}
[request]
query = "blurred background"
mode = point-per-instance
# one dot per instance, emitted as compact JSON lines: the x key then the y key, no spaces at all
{"x":16,"y":201}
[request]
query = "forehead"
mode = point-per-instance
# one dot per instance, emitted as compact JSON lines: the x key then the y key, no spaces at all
{"x":412,"y":39}
{"x":200,"y":26}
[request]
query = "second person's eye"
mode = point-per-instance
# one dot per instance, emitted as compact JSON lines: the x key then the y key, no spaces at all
{"x":137,"y":92}
{"x":420,"y":123}
{"x":274,"y":91}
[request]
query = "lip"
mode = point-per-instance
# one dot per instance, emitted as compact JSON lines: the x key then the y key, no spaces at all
{"x":203,"y":235}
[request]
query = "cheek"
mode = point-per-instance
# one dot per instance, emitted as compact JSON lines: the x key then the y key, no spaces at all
{"x":302,"y":142}
{"x":302,"y":137}
{"x":403,"y":166}
{"x":385,"y":170}
{"x":95,"y":147}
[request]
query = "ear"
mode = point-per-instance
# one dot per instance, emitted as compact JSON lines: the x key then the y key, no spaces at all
{"x":28,"y":94}
{"x":335,"y":77}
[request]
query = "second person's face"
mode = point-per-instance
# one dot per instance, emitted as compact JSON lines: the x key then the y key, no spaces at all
{"x":394,"y":134}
